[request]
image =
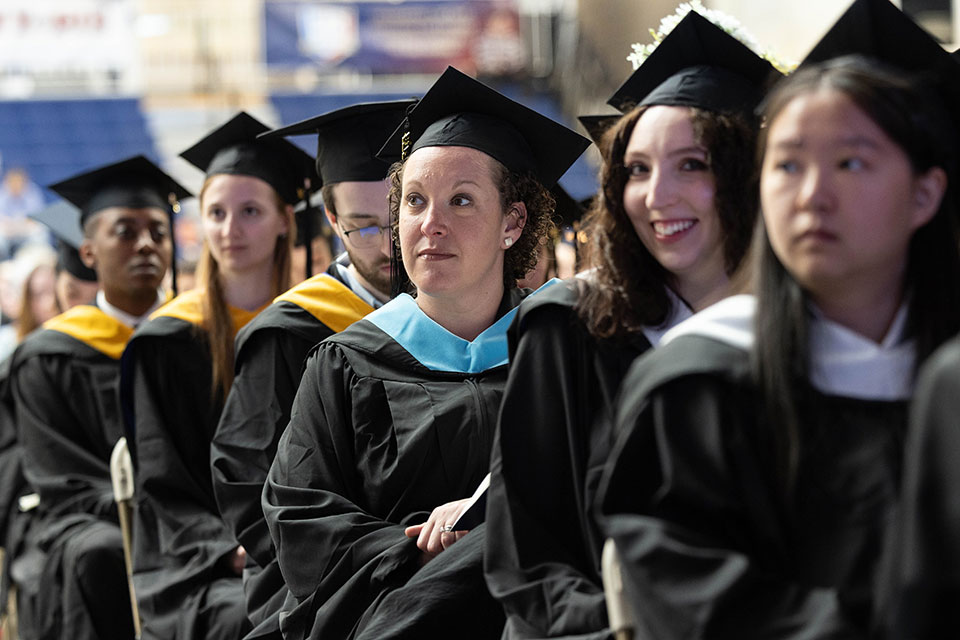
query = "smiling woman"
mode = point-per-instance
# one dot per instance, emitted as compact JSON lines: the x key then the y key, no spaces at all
{"x":391,"y":429}
{"x":671,"y":225}
{"x":178,"y":369}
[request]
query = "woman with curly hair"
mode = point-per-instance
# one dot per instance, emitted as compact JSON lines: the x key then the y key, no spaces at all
{"x":392,"y":425}
{"x":667,"y":232}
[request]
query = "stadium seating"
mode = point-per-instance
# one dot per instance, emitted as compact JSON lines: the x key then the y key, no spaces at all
{"x":53,"y":139}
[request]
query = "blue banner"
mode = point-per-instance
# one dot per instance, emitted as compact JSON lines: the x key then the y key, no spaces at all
{"x":417,"y":36}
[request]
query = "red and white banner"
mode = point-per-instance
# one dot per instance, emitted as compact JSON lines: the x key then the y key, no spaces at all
{"x":44,"y":36}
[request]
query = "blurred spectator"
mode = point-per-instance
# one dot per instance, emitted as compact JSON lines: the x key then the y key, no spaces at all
{"x":25,"y":285}
{"x":546,"y":266}
{"x":321,"y":254}
{"x":186,"y":276}
{"x":39,"y":302}
{"x":18,"y":197}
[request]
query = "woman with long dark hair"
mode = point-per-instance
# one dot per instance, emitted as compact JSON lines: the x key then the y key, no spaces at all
{"x":178,"y":369}
{"x":668,"y":229}
{"x":760,"y":450}
{"x":392,"y":424}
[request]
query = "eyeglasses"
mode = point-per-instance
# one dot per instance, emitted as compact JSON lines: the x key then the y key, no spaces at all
{"x":366,"y":237}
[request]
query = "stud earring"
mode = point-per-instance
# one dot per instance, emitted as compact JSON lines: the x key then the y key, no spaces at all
{"x":508,"y":242}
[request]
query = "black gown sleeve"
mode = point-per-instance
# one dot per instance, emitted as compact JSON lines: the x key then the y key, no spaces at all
{"x":542,"y":556}
{"x":12,"y":486}
{"x":65,"y":450}
{"x":334,"y":554}
{"x":922,"y":585}
{"x":691,"y":510}
{"x":175,"y":411}
{"x":255,"y":414}
{"x":12,"y":483}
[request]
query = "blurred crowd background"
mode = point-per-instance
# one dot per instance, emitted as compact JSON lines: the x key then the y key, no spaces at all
{"x":89,"y":82}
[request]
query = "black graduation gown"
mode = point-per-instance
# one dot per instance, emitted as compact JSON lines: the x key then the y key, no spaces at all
{"x":64,"y":382}
{"x":185,"y":585}
{"x":270,"y":352}
{"x":921,"y":584}
{"x":12,"y":486}
{"x":11,"y":474}
{"x":710,"y":548}
{"x":380,"y":434}
{"x":553,"y":438}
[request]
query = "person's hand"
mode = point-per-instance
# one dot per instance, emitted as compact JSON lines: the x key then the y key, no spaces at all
{"x":238,"y":560}
{"x":436,"y":534}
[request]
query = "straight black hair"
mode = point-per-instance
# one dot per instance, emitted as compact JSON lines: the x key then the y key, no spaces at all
{"x":912,"y":114}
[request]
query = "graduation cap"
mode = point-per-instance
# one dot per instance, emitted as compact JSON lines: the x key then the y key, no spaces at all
{"x":68,"y":259}
{"x":348,"y":139}
{"x":460,"y":111}
{"x":700,"y":65}
{"x":63,"y":219}
{"x":233,"y":148}
{"x":879,"y":30}
{"x":597,"y":126}
{"x":135,"y":182}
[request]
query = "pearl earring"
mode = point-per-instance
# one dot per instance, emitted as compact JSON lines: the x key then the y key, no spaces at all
{"x":508,"y":242}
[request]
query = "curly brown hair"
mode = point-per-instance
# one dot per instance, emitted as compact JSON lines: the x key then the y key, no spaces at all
{"x":522,"y":256}
{"x":628,"y":287}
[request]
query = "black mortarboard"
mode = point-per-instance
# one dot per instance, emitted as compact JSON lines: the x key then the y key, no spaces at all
{"x":310,"y":224}
{"x":596,"y":126}
{"x":878,"y":29}
{"x":135,"y":182}
{"x":68,"y":259}
{"x":63,"y":219}
{"x":348,"y":139}
{"x":700,"y":65}
{"x":462,"y":112}
{"x":233,"y":148}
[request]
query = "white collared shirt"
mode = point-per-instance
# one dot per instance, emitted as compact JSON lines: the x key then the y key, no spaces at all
{"x":842,"y":362}
{"x":848,"y":364}
{"x":124,"y":317}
